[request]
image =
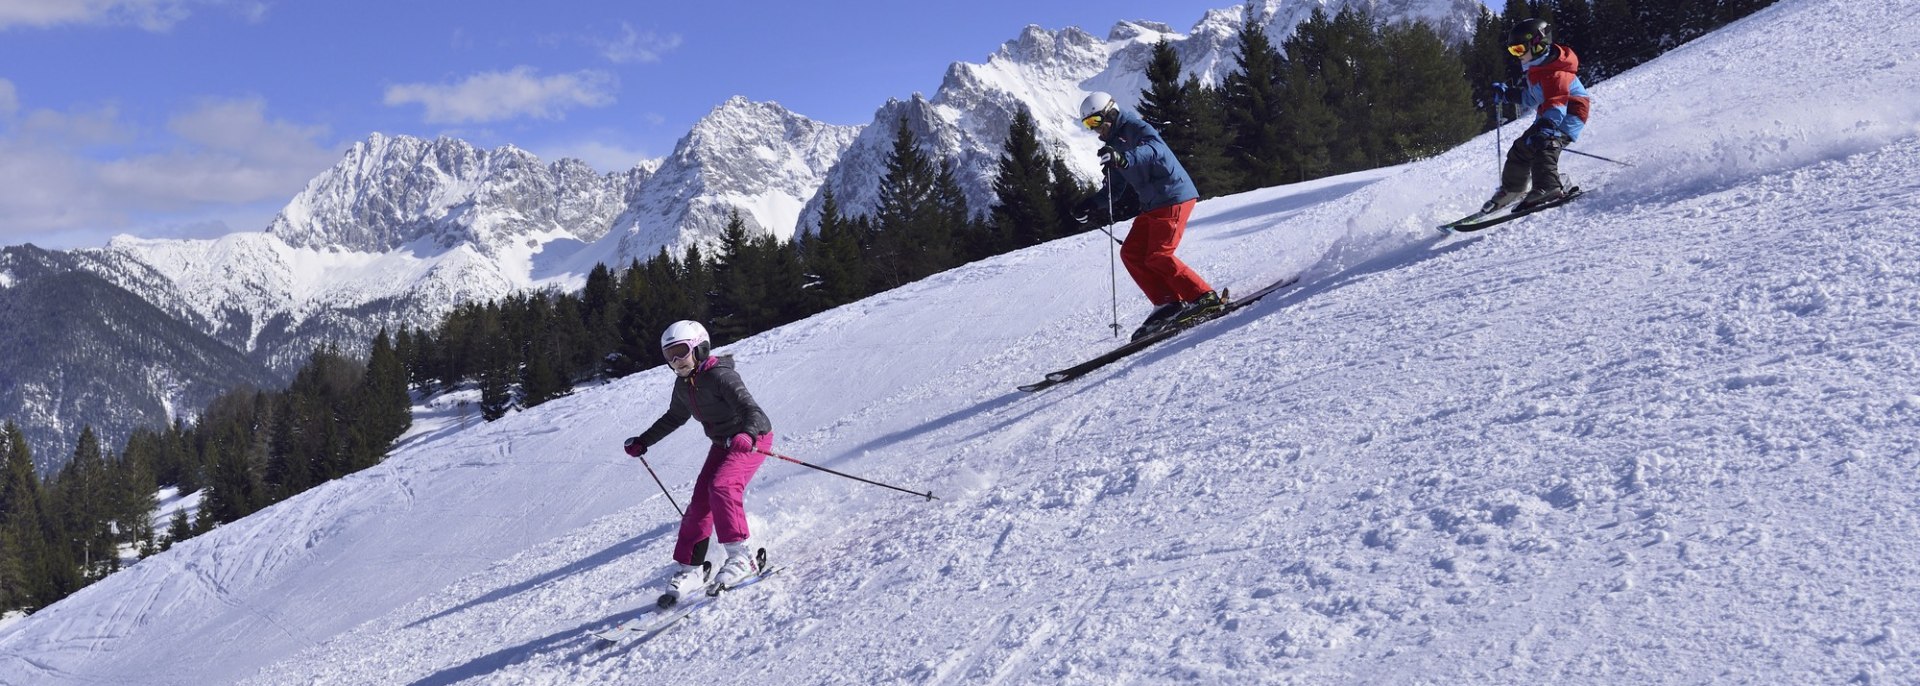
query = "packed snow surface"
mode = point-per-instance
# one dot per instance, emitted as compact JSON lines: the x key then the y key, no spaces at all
{"x":1669,"y":433}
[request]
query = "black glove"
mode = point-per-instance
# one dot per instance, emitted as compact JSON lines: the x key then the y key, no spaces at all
{"x":1083,"y":210}
{"x":634,"y":447}
{"x":1110,"y":157}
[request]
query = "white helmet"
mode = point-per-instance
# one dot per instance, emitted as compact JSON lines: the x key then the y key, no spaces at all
{"x":1097,"y":103}
{"x":690,"y":333}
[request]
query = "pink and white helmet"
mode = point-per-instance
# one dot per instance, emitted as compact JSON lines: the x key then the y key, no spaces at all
{"x":689,"y":333}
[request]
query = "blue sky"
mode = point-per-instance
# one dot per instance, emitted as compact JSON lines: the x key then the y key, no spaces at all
{"x":196,"y":118}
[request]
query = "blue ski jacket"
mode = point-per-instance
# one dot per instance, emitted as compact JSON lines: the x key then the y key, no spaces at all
{"x":1152,"y":170}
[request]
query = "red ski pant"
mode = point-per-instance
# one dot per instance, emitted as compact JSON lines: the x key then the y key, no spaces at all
{"x":1148,"y":254}
{"x":718,"y":498}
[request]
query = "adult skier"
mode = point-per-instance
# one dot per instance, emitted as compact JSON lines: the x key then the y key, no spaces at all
{"x":1135,"y":152}
{"x":707,"y":388}
{"x":1560,"y":104}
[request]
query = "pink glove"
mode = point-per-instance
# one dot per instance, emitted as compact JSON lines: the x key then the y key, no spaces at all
{"x":741,"y":443}
{"x":634,"y":447}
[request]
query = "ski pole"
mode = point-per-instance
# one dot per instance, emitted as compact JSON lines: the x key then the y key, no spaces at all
{"x":1113,"y":274}
{"x":928,"y":495}
{"x":663,"y":487}
{"x":1597,"y":157}
{"x":1499,"y":103}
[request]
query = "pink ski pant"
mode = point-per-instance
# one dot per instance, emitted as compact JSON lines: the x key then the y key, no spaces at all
{"x":718,"y":496}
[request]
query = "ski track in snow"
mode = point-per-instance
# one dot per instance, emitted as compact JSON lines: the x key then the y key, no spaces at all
{"x":1666,"y":434}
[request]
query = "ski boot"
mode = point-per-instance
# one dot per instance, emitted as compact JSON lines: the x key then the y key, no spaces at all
{"x":1207,"y":305}
{"x":1501,"y":199}
{"x":684,"y":582}
{"x":1540,"y":196}
{"x":1158,"y":319}
{"x":743,"y":562}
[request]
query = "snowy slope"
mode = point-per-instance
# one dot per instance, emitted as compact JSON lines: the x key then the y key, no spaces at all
{"x":1667,"y":435}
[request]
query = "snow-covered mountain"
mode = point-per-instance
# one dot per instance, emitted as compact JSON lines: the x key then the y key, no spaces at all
{"x":1048,"y":72}
{"x":82,"y":352}
{"x":404,"y":229}
{"x":755,"y":159}
{"x":1667,"y":434}
{"x":390,"y":193}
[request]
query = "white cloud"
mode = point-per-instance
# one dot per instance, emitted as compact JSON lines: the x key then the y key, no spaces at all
{"x":69,"y":174}
{"x":494,"y":96}
{"x":637,"y":46}
{"x":151,"y":15}
{"x":605,"y":158}
{"x":9,"y":99}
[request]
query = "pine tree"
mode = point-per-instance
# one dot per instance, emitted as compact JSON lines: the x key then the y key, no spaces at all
{"x":134,"y":488}
{"x":1427,"y":108}
{"x":387,"y":408}
{"x":1206,"y":159}
{"x":294,"y":459}
{"x":738,"y":288}
{"x":178,"y":529}
{"x":1311,"y":127}
{"x":1487,"y":64}
{"x":541,"y":379}
{"x":1168,"y":101}
{"x":906,"y":241}
{"x":1065,"y":193}
{"x":834,"y":259}
{"x":784,"y":273}
{"x":1023,"y":213}
{"x":236,"y":484}
{"x":950,"y":224}
{"x":600,"y":311}
{"x":1252,"y":96}
{"x":22,"y":542}
{"x":83,"y":506}
{"x":497,"y":366}
{"x":1356,"y":72}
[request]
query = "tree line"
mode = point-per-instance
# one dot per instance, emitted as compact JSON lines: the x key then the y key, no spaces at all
{"x":247,"y":450}
{"x":1342,"y":93}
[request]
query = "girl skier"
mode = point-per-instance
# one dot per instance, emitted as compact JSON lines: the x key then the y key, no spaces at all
{"x":707,"y":388}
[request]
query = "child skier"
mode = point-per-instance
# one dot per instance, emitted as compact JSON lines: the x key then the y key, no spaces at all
{"x":1560,"y":103}
{"x":707,"y":388}
{"x":1135,"y":151}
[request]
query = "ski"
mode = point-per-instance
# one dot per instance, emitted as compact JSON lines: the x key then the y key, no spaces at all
{"x":1078,"y":370}
{"x":1479,"y":220}
{"x":642,"y":629}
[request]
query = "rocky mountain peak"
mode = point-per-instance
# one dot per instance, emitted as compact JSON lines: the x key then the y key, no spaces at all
{"x":390,"y":192}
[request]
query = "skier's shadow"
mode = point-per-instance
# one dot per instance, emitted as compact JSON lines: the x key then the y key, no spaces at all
{"x":507,"y":657}
{"x":613,"y":552}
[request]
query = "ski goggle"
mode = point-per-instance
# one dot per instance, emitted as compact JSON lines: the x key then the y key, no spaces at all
{"x":1093,"y":121}
{"x":678,"y":351}
{"x":1517,"y":49}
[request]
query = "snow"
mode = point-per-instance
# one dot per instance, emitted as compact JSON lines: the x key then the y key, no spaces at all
{"x":1667,"y":434}
{"x":170,"y":501}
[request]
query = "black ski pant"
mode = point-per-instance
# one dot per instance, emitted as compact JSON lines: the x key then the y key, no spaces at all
{"x":1540,"y":164}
